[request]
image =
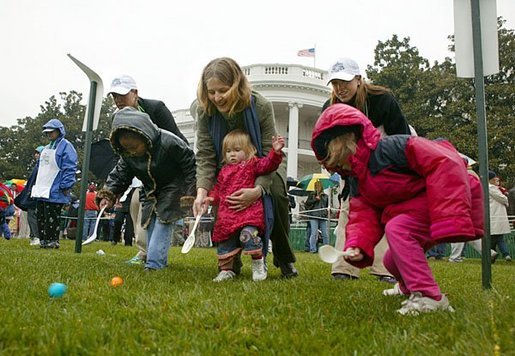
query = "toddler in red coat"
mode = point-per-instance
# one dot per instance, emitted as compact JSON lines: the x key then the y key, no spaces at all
{"x":240,"y":230}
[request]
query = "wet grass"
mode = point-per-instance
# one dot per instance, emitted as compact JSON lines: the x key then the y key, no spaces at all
{"x":181,"y":311}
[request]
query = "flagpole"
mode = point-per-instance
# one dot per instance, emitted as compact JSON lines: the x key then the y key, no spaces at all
{"x":315,"y":56}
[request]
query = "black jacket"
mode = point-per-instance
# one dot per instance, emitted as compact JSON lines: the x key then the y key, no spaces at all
{"x":383,"y":110}
{"x":313,"y":204}
{"x":161,"y":116}
{"x":167,"y":170}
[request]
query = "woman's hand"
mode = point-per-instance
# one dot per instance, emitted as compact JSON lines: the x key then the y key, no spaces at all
{"x":354,"y":254}
{"x":243,"y":198}
{"x":199,"y":203}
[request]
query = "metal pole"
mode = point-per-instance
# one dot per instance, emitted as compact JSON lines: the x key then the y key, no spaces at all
{"x":85,"y":166}
{"x":486,"y":270}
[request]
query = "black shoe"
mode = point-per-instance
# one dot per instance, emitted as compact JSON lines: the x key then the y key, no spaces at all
{"x":387,"y":279}
{"x":43,"y":243}
{"x":343,"y":276}
{"x":53,"y":244}
{"x":288,"y":270}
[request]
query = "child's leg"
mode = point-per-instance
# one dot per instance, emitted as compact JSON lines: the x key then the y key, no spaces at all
{"x":408,"y":239}
{"x":251,"y":242}
{"x":228,"y":252}
{"x":389,"y":263}
{"x":253,"y":245}
{"x":158,"y":244}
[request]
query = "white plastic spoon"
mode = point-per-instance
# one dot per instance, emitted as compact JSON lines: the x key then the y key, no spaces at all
{"x":190,"y":241}
{"x":93,"y":236}
{"x":329,"y":254}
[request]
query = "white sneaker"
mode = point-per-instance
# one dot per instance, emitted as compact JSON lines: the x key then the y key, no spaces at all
{"x":418,"y":304}
{"x":393,"y":291}
{"x":34,"y":242}
{"x":224,"y":275}
{"x":258,"y":270}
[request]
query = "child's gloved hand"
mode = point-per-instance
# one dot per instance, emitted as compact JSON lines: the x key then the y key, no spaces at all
{"x":353,"y":254}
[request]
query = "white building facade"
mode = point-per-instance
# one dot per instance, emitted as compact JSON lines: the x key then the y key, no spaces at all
{"x":297,"y":94}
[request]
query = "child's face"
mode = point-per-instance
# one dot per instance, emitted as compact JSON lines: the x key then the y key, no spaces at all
{"x":235,"y":154}
{"x":133,"y":146}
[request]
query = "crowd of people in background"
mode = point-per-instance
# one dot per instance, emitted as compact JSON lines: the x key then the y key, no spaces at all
{"x":159,"y":184}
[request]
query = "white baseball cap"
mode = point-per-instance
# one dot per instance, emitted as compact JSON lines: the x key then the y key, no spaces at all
{"x":122,"y":85}
{"x":344,"y":69}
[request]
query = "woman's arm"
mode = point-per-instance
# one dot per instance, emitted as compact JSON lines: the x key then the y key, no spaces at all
{"x":206,"y":156}
{"x":68,"y":167}
{"x":266,"y":116}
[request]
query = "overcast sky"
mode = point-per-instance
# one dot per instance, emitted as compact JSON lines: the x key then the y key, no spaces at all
{"x":165,"y":44}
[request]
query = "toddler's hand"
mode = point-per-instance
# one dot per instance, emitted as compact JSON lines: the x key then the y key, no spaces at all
{"x":277,"y":143}
{"x":354,"y":254}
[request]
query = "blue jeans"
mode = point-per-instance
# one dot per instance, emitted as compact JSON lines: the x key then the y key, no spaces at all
{"x":159,"y":239}
{"x":437,"y":251}
{"x":89,"y":223}
{"x":317,"y":224}
{"x":498,"y":241}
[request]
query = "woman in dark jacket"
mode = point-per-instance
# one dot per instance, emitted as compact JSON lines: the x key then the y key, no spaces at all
{"x":166,"y":166}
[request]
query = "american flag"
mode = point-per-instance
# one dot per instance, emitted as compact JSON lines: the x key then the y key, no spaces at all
{"x":310,"y":52}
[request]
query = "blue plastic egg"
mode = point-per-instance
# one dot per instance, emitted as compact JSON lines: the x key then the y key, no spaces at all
{"x":57,"y":290}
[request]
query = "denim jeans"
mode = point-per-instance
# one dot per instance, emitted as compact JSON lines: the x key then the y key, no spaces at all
{"x":437,"y":251}
{"x":317,"y":224}
{"x":158,"y":243}
{"x":498,"y":241}
{"x":89,"y":223}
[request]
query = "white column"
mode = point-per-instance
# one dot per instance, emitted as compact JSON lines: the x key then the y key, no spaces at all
{"x":293,"y":139}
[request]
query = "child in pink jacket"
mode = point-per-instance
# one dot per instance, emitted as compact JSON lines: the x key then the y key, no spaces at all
{"x":415,"y":191}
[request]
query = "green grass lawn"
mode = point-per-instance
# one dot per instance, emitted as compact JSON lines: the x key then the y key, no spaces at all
{"x":181,"y":311}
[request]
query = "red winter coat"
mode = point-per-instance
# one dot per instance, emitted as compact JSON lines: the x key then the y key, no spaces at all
{"x":231,"y":178}
{"x":402,"y":174}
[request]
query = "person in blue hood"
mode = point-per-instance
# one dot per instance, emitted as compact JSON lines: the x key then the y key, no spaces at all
{"x":55,"y":178}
